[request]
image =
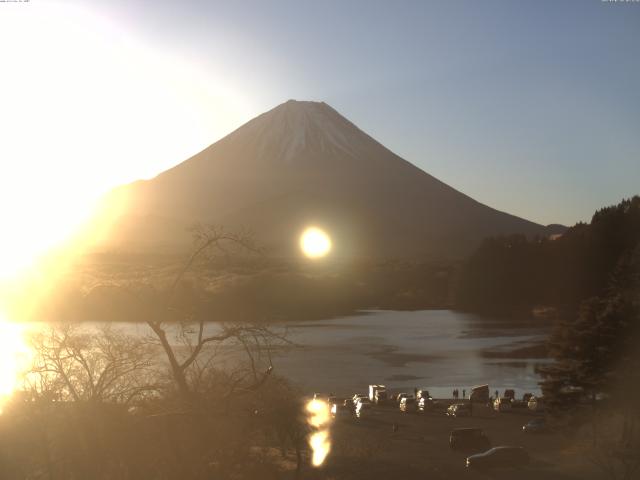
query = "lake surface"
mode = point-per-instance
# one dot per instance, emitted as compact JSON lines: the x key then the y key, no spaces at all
{"x":436,"y":349}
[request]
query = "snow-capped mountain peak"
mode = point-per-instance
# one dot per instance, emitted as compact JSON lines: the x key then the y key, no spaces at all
{"x":295,"y":127}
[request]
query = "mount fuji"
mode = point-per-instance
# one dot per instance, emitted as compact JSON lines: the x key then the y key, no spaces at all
{"x":301,"y":164}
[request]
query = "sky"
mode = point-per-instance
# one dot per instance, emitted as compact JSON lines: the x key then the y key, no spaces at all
{"x":529,"y":107}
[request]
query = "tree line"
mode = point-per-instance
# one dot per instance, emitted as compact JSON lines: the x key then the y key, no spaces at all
{"x":514,"y":273}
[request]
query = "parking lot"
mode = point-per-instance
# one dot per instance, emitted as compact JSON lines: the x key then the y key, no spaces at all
{"x":386,"y":443}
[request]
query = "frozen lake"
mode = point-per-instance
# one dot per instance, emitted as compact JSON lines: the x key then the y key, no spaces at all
{"x":438,"y":349}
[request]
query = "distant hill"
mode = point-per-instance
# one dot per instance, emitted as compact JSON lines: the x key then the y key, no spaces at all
{"x":512,"y":273}
{"x":303,"y":163}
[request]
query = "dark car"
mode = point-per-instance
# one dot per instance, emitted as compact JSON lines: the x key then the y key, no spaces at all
{"x":499,"y":457}
{"x":469,"y":439}
{"x":537,"y":425}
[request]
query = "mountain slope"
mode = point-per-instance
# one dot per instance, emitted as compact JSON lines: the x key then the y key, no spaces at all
{"x":303,"y":163}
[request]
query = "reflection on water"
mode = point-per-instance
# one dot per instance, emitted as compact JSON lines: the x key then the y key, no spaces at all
{"x":437,"y":349}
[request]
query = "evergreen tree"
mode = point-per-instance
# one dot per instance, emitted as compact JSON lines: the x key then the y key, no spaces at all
{"x":597,"y":353}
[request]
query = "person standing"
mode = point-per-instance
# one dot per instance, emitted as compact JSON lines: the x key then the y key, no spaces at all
{"x":464,"y":394}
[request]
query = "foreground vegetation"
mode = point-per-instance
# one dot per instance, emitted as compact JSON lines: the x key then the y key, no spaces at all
{"x":185,"y":401}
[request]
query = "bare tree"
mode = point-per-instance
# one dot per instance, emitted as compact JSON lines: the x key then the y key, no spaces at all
{"x":72,"y":413}
{"x":195,"y":335}
{"x":79,"y":365}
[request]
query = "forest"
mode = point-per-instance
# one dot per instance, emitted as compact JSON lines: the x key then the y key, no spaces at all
{"x":514,"y":273}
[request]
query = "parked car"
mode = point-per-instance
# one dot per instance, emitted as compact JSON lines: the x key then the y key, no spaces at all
{"x":536,"y":404}
{"x":362,"y":407}
{"x":526,"y":397}
{"x":357,"y":397}
{"x":469,"y":439}
{"x":497,"y":457}
{"x":536,"y":425}
{"x":380,"y":397}
{"x":459,"y":410}
{"x":427,"y":403}
{"x":510,"y":394}
{"x":502,"y":404}
{"x":423,"y":393}
{"x":373,"y":389}
{"x":341,"y":411}
{"x":408,"y":404}
{"x":400,"y":396}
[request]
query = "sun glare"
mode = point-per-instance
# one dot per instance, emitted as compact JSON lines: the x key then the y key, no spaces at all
{"x":319,"y":440}
{"x":15,"y":357}
{"x":315,"y":243}
{"x":86,"y":106}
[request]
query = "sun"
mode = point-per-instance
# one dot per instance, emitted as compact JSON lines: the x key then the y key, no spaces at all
{"x":315,"y":243}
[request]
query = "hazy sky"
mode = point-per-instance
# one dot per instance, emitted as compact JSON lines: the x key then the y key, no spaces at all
{"x":529,"y":107}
